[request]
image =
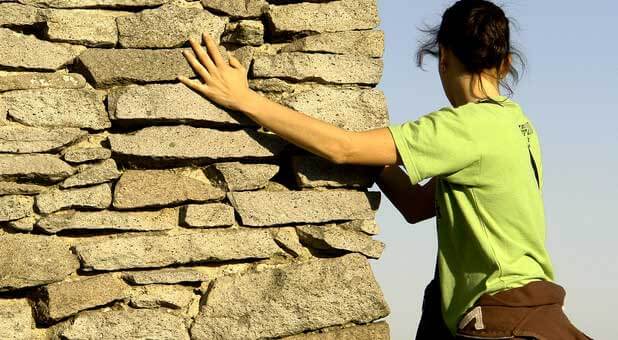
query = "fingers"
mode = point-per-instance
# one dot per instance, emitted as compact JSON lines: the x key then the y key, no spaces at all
{"x":196,"y":66}
{"x":203,"y":57}
{"x":193,"y":84}
{"x":213,"y":50}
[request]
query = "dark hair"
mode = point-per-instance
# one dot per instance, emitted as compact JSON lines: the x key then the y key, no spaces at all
{"x":478,"y":34}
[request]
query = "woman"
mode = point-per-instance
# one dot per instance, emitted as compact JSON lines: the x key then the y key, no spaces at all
{"x":494,"y":277}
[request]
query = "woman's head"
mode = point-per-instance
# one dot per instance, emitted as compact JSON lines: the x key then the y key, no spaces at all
{"x":477,"y":33}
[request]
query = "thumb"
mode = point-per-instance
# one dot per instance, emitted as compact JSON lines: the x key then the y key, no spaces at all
{"x":233,"y":61}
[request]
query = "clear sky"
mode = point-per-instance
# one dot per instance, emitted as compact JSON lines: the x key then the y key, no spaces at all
{"x":567,"y":92}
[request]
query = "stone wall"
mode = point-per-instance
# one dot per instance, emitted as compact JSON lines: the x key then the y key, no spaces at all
{"x":133,"y":208}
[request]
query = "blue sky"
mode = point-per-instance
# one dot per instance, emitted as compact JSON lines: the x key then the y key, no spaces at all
{"x":567,"y":92}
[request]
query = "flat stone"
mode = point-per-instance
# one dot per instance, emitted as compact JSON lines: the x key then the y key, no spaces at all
{"x":108,"y":67}
{"x":32,"y":260}
{"x":285,"y":207}
{"x":93,"y":3}
{"x":178,"y":143}
{"x":14,"y":14}
{"x":174,"y":297}
{"x":237,"y":8}
{"x":163,"y":219}
{"x":236,"y":176}
{"x":350,"y":109}
{"x":89,"y":174}
{"x":344,"y":15}
{"x":244,"y":32}
{"x":287,"y":238}
{"x":168,"y":26}
{"x":369,"y":227}
{"x":14,"y":207}
{"x":94,"y":197}
{"x":168,"y":103}
{"x":25,"y":224}
{"x":78,"y":108}
{"x":166,"y":275}
{"x":208,"y":215}
{"x":85,"y":154}
{"x":26,"y":51}
{"x":14,"y":188}
{"x":16,"y":322}
{"x":126,"y":324}
{"x":34,"y":167}
{"x":26,"y":139}
{"x":153,"y":188}
{"x":95,"y":28}
{"x":312,"y":171}
{"x":323,"y":68}
{"x":331,"y":237}
{"x":299,"y":297}
{"x":213,"y":245}
{"x":367,"y":43}
{"x":372,"y":331}
{"x":62,"y":299}
{"x":35,"y":80}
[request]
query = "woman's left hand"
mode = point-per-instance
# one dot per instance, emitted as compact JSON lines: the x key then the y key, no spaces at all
{"x":224,"y":83}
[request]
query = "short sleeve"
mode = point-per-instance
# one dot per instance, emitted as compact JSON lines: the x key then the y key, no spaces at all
{"x":439,"y":143}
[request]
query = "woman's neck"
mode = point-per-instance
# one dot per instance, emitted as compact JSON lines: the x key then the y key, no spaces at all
{"x":472,"y":88}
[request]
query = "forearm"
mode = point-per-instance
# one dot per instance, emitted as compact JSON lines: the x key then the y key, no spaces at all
{"x":415,"y":202}
{"x":311,"y":134}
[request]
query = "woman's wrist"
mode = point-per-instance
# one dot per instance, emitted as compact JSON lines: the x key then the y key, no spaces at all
{"x":251,"y":102}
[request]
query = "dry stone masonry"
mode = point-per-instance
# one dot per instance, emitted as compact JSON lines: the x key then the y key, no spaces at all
{"x":131,"y":207}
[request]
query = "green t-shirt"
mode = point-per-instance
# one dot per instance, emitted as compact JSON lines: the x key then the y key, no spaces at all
{"x":489,"y":206}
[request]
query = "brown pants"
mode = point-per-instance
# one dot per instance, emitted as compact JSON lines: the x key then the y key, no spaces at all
{"x":533,"y":311}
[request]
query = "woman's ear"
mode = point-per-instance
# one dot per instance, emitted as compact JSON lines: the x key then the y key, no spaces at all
{"x":442,"y":59}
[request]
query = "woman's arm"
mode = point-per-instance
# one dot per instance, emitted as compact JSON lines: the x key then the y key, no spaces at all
{"x":226,"y":84}
{"x":415,"y":202}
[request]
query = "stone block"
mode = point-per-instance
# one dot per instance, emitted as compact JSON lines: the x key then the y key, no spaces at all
{"x":43,"y":167}
{"x":367,"y":43}
{"x":333,"y":238}
{"x":24,"y":51}
{"x":208,"y":215}
{"x":152,"y":251}
{"x":80,"y":154}
{"x":16,"y":138}
{"x":78,"y":108}
{"x":323,"y":68}
{"x":168,"y":26}
{"x":94,"y":28}
{"x":14,"y":207}
{"x":93,"y":197}
{"x":164,"y":219}
{"x":93,"y":3}
{"x":236,"y":176}
{"x":95,"y":173}
{"x":156,"y":188}
{"x":244,"y":32}
{"x":174,"y":297}
{"x":299,"y":297}
{"x":16,"y":322}
{"x":33,"y":260}
{"x":14,"y":14}
{"x":10,"y":81}
{"x":237,"y":8}
{"x":286,"y":207}
{"x":14,"y":188}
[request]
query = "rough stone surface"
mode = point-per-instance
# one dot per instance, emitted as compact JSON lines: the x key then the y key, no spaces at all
{"x":90,"y":174}
{"x":26,"y":139}
{"x":14,"y":188}
{"x":13,"y":14}
{"x":350,"y":109}
{"x":62,"y":299}
{"x":213,"y":245}
{"x":311,"y":171}
{"x":300,"y":297}
{"x":178,"y":143}
{"x":324,"y":68}
{"x":33,"y":80}
{"x":96,"y":28}
{"x":168,"y":103}
{"x":164,"y":219}
{"x":236,"y":176}
{"x":85,"y":154}
{"x":332,"y":237}
{"x":109,"y":67}
{"x":369,"y":227}
{"x":237,"y":8}
{"x":168,"y":26}
{"x":287,"y":238}
{"x":126,"y":324}
{"x":344,"y":15}
{"x":367,"y":43}
{"x":78,"y":108}
{"x":175,"y":297}
{"x":26,"y":51}
{"x":373,"y":331}
{"x":244,"y":32}
{"x":32,"y":260}
{"x":208,"y":215}
{"x":166,"y":275}
{"x":93,"y":3}
{"x":286,"y":207}
{"x":14,"y":207}
{"x":148,"y":188}
{"x":93,"y":197}
{"x":25,"y":223}
{"x":16,"y":322}
{"x":34,"y":167}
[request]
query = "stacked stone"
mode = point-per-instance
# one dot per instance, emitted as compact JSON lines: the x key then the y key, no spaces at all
{"x":132,"y":207}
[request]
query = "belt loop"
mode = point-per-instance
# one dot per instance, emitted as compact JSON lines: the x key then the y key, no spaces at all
{"x":475,"y":314}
